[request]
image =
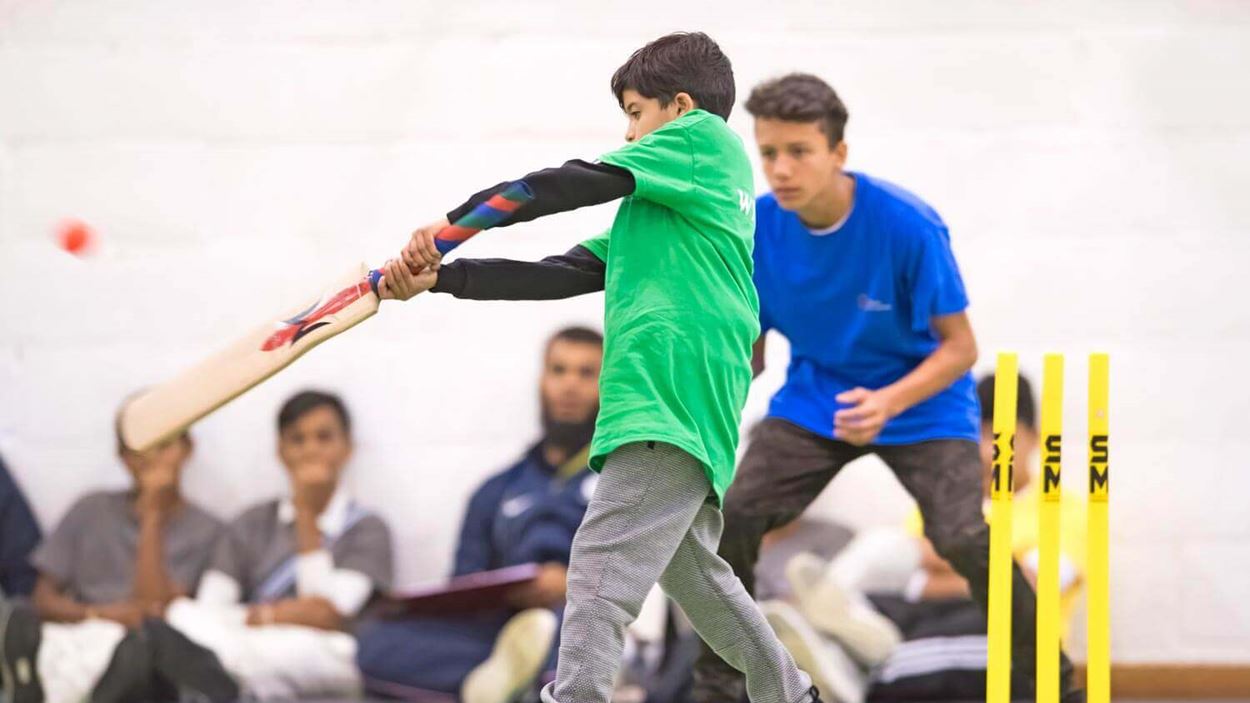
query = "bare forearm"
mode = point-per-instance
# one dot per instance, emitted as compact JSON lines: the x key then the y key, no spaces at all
{"x":153,"y":587}
{"x":311,"y":611}
{"x":54,"y":606}
{"x":952,"y":359}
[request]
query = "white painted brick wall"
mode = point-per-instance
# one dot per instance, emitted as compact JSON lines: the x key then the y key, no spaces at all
{"x":1089,"y":157}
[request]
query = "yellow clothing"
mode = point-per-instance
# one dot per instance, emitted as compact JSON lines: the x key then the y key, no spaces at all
{"x":1025,"y":513}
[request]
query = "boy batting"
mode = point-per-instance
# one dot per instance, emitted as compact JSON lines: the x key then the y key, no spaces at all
{"x":681,"y":314}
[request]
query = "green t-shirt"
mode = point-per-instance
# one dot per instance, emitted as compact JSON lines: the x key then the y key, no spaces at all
{"x":681,"y":312}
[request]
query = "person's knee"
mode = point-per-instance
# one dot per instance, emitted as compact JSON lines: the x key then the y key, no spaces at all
{"x":961,"y":543}
{"x":129,"y":670}
{"x":619,"y":609}
{"x":159,"y":633}
{"x":160,"y":638}
{"x":675,"y":585}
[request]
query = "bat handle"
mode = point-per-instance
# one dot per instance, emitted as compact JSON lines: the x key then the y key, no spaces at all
{"x":375,"y":279}
{"x":495,"y":210}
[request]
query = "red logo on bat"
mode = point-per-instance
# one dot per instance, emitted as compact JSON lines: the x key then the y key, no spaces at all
{"x":292,"y":330}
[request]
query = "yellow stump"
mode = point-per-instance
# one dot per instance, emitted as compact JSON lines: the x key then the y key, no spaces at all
{"x":998,"y":669}
{"x":1048,"y":531}
{"x":1098,"y":658}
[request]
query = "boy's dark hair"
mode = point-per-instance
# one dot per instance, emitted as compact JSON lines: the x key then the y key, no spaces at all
{"x":1026,"y":405}
{"x":305,"y":402}
{"x":681,"y":62}
{"x":577,"y":333}
{"x":800,"y":97}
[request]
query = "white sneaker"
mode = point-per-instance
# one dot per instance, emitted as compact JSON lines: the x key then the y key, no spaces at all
{"x":842,"y":613}
{"x":516,"y":660}
{"x":838,"y":677}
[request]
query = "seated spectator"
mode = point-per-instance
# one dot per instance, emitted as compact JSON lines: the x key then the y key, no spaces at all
{"x":106,"y":574}
{"x":19,"y":535}
{"x":526,"y":514}
{"x":943,"y":652}
{"x":289,"y":575}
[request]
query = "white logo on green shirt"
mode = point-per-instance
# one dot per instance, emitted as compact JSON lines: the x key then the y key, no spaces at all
{"x":746,"y":202}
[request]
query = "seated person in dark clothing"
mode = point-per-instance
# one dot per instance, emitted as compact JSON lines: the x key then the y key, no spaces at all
{"x":526,"y":514}
{"x":19,"y":535}
{"x":106,"y":575}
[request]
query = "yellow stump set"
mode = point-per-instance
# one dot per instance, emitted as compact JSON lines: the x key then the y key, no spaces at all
{"x":998,"y":673}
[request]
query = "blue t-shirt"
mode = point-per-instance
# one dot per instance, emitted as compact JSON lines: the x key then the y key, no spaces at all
{"x":856,"y":305}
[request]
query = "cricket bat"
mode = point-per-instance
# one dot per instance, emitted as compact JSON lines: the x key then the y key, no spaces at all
{"x":168,"y":409}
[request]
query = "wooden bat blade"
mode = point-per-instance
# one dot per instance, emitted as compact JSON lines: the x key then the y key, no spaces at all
{"x":165,"y":410}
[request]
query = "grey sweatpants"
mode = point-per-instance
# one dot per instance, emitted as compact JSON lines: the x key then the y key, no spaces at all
{"x":653,"y":519}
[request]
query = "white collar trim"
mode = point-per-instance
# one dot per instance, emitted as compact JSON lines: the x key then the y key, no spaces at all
{"x":330,"y":521}
{"x":835,"y":227}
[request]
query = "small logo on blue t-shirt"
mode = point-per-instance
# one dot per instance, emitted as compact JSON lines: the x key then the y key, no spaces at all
{"x":867,"y":304}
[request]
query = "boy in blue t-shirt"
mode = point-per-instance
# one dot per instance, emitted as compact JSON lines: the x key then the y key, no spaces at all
{"x":858,"y":274}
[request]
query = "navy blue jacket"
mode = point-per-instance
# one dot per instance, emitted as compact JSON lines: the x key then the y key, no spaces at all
{"x":526,"y":514}
{"x":19,"y":535}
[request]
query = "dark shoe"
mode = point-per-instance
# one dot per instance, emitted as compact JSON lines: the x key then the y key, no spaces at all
{"x":194,"y":671}
{"x":815,"y":695}
{"x":128,"y":678}
{"x":19,"y":649}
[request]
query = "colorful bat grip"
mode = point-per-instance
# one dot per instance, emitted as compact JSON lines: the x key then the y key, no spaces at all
{"x":486,"y":215}
{"x":498,"y":208}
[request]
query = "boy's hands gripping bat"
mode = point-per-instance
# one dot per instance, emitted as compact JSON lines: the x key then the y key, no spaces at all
{"x":428,"y":244}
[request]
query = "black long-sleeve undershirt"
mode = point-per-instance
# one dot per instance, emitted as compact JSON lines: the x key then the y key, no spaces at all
{"x":575,"y":184}
{"x":575,"y":273}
